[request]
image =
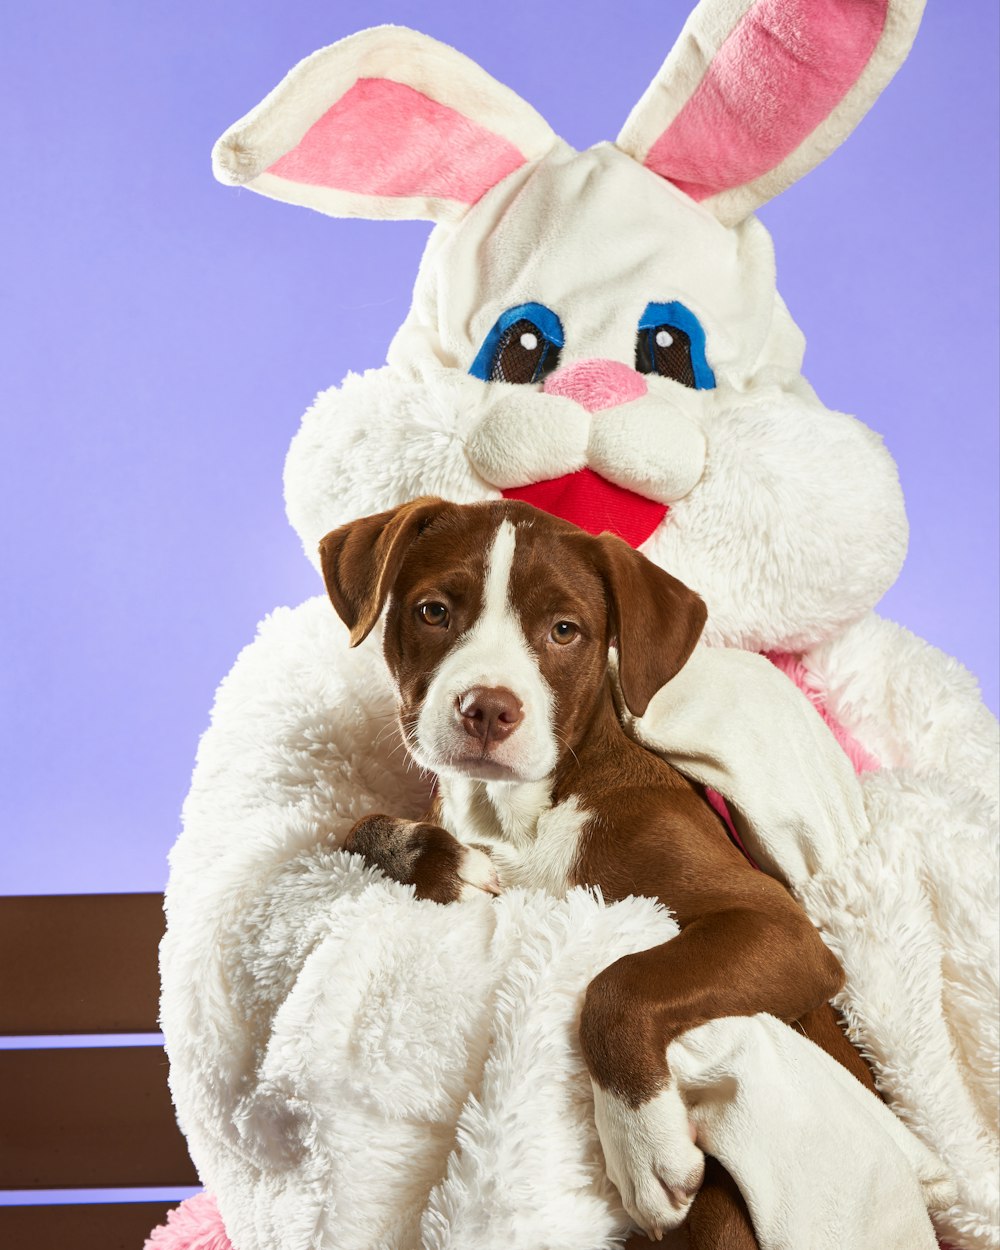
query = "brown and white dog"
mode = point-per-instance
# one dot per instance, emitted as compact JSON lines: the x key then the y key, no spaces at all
{"x":497,"y":635}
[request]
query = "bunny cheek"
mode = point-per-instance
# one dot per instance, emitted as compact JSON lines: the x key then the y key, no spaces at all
{"x":794,"y":562}
{"x":525,"y":436}
{"x":652,"y":445}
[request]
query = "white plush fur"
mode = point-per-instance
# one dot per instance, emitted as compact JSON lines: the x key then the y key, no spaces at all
{"x":247,"y":150}
{"x":354,"y":1068}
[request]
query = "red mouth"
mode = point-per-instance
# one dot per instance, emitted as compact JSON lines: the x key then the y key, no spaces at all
{"x":595,"y":504}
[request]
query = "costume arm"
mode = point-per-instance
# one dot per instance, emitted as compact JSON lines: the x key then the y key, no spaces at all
{"x":301,"y":745}
{"x":731,"y":721}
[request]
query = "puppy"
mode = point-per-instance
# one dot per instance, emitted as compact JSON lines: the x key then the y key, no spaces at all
{"x":497,"y":635}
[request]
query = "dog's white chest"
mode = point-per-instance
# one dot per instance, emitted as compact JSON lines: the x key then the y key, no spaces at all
{"x":533,"y":844}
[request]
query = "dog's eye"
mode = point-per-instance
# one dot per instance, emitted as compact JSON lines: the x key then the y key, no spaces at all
{"x":522,"y":347}
{"x":564,"y":631}
{"x":435,"y":614}
{"x":671,"y":344}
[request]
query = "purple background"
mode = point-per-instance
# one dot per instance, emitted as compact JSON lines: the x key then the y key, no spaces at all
{"x":164,"y":335}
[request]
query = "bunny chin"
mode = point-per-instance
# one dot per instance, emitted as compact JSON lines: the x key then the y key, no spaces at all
{"x":598,"y":332}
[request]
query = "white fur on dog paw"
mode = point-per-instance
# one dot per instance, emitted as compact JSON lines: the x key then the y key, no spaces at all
{"x":650,"y":1156}
{"x":478,"y":873}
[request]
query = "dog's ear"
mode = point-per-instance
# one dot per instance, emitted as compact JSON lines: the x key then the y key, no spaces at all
{"x":362,"y":559}
{"x":656,"y":619}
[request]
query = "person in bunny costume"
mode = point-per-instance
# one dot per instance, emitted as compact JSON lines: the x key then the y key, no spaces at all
{"x":597,"y":333}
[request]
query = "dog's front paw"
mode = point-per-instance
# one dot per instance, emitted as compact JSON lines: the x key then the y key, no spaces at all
{"x":651,"y":1157}
{"x":477,"y":873}
{"x":425,"y":856}
{"x":445,"y":871}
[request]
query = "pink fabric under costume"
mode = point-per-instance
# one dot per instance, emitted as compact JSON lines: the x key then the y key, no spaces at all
{"x":195,"y":1225}
{"x":791,"y":665}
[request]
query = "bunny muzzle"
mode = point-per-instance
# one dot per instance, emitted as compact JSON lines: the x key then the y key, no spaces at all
{"x":642,"y":450}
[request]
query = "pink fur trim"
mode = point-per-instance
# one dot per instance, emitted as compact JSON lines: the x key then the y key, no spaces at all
{"x":792,"y":666}
{"x":782,"y":70}
{"x":195,"y":1225}
{"x":861,"y":759}
{"x":719,"y":803}
{"x":386,"y":139}
{"x":596,"y":384}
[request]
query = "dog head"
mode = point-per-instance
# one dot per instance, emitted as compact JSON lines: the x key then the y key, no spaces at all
{"x":498,"y":623}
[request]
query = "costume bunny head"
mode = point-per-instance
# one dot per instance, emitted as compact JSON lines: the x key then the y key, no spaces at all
{"x":599,"y":332}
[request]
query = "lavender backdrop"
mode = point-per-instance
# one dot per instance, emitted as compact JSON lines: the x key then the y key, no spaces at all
{"x":164,"y":335}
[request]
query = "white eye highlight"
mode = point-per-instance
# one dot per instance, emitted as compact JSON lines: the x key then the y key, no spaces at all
{"x":664,"y":338}
{"x":529,"y":341}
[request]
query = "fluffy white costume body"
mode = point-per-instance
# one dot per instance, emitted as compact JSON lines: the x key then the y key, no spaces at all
{"x":356,"y":1069}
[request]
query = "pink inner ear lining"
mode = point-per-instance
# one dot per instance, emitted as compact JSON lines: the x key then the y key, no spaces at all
{"x":384,"y":138}
{"x":782,"y":70}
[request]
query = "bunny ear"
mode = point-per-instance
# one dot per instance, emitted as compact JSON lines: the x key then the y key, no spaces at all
{"x":757,"y":92}
{"x":386,"y":123}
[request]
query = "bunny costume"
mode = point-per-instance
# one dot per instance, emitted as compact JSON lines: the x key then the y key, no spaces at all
{"x":597,"y":332}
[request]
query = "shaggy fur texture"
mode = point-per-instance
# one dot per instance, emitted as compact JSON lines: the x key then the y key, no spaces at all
{"x":309,"y":1006}
{"x":195,"y":1225}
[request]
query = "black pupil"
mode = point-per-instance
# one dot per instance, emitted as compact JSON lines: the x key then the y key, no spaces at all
{"x":523,"y":354}
{"x":434,"y":613}
{"x":563,"y":628}
{"x":670,"y":358}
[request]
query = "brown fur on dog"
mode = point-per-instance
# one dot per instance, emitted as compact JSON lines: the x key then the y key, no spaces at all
{"x":745,"y":945}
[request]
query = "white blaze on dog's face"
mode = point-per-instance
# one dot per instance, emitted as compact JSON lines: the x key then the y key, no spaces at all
{"x":498,"y":620}
{"x":490,"y":669}
{"x":496,"y":633}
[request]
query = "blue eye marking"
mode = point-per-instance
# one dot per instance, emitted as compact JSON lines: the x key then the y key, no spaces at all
{"x":684,"y":358}
{"x":503,"y":356}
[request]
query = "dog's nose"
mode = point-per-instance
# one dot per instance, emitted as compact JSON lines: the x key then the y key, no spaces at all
{"x":490,"y":713}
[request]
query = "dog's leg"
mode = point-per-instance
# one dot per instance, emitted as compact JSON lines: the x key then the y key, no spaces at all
{"x":423,"y":855}
{"x":822,"y":1026}
{"x":738,"y":961}
{"x":719,"y":1219}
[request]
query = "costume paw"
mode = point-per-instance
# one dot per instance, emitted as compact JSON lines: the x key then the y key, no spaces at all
{"x":651,"y":1157}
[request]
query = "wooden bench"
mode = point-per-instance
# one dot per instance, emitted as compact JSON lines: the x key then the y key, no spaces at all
{"x":84,"y":1117}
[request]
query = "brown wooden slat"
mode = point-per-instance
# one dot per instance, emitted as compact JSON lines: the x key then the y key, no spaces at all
{"x":87,"y":1118}
{"x":101,"y":1226}
{"x":80,"y":963}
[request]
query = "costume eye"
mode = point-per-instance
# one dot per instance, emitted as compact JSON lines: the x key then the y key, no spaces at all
{"x":435,"y":614}
{"x":522,"y":347}
{"x":524,"y":354}
{"x":671,"y":344}
{"x":563,"y":632}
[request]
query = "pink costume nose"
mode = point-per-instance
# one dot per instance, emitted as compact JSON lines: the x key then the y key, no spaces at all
{"x":596,"y":384}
